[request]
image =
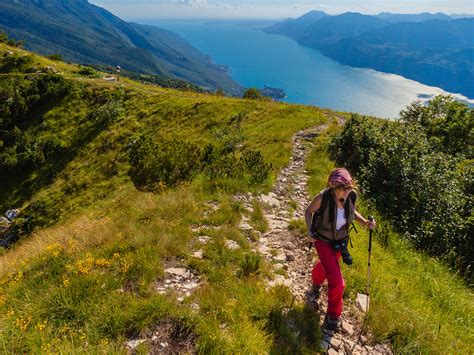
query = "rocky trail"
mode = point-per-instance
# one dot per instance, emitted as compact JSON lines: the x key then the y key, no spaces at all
{"x":285,"y":250}
{"x":288,"y":251}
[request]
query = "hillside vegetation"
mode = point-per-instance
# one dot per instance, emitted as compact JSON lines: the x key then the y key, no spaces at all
{"x":119,"y":181}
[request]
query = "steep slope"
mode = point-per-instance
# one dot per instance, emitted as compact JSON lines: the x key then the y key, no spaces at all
{"x":88,"y":34}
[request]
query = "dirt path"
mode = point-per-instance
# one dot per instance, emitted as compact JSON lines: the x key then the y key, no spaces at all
{"x":288,"y":251}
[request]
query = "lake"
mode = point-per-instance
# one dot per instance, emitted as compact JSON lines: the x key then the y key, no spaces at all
{"x":255,"y":59}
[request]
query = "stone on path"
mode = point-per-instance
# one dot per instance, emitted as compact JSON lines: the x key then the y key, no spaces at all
{"x":133,"y":344}
{"x":198,"y":254}
{"x":361,"y":302}
{"x":336,"y":343}
{"x":270,"y":199}
{"x":231,"y":244}
{"x":178,"y":271}
{"x":347,"y":328}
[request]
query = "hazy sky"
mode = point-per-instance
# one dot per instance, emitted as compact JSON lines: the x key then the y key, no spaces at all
{"x":272,"y":9}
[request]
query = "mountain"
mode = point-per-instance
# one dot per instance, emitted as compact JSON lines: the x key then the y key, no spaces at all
{"x":437,"y":52}
{"x":333,"y":28}
{"x":315,"y":27}
{"x":87,"y":34}
{"x":295,"y":27}
{"x":425,"y":16}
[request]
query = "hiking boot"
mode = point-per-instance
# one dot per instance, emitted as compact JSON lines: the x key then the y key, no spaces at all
{"x":312,"y":296}
{"x":331,"y":324}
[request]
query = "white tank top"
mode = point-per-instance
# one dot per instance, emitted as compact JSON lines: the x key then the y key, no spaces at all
{"x":340,"y":219}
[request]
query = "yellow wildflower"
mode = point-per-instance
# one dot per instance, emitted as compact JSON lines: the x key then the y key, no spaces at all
{"x":40,"y":326}
{"x":103,"y":262}
{"x":66,"y":281}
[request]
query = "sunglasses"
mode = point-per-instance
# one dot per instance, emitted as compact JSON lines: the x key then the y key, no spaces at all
{"x":344,"y":188}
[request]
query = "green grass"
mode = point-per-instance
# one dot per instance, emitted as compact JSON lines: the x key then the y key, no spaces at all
{"x":85,"y":283}
{"x":416,"y":302}
{"x":257,"y":218}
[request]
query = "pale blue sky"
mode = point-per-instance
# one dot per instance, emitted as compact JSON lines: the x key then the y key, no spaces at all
{"x":272,"y":9}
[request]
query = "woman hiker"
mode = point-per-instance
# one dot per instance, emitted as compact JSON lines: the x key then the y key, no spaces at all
{"x":328,"y":218}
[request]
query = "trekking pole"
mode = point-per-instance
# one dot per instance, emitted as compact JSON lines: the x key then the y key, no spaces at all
{"x":370,"y":218}
{"x":368,"y":266}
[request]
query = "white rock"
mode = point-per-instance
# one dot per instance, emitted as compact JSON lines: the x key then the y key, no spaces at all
{"x":231,"y":244}
{"x":361,"y":302}
{"x":178,"y":271}
{"x":278,"y":280}
{"x":270,"y":199}
{"x":204,"y":239}
{"x":198,"y":254}
{"x":336,"y":343}
{"x":190,"y":286}
{"x":347,"y":328}
{"x":331,"y":351}
{"x":133,"y":344}
{"x":280,"y":258}
{"x":263,"y":249}
{"x":245,"y":226}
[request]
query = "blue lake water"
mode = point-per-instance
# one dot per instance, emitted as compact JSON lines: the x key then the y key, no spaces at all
{"x":256,"y":58}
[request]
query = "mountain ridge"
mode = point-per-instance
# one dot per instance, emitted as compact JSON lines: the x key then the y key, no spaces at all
{"x":435,"y":52}
{"x":83,"y":32}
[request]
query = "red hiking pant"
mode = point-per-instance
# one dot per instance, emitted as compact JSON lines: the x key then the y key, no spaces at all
{"x":328,"y":268}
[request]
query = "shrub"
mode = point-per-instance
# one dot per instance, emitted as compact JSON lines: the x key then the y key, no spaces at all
{"x":13,"y":63}
{"x":414,"y":175}
{"x":87,"y":71}
{"x":254,"y":167}
{"x":254,"y":94}
{"x":55,"y":57}
{"x":168,"y":161}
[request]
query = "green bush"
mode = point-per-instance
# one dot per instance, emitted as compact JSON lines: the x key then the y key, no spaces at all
{"x":416,"y":175}
{"x":55,"y":56}
{"x":15,"y":63}
{"x":162,"y":163}
{"x":20,"y":100}
{"x":87,"y":71}
{"x":254,"y":94}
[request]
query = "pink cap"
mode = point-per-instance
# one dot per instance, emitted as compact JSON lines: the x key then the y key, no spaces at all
{"x":340,"y":176}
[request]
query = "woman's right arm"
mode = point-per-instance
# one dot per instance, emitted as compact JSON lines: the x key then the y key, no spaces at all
{"x":308,"y":214}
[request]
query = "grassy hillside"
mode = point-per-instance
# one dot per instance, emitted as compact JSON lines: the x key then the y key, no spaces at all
{"x":84,"y":33}
{"x":88,"y":276}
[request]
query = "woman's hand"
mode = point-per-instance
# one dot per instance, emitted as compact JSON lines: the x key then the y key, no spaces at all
{"x":370,"y":224}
